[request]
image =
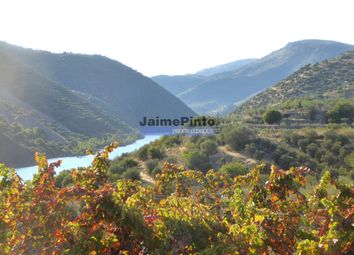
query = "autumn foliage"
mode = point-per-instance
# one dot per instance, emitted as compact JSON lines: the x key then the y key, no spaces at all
{"x":185,"y":212}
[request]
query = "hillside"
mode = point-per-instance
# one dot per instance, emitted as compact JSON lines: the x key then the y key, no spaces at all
{"x":222,"y":91}
{"x":315,"y":129}
{"x":36,"y":112}
{"x":329,"y":79}
{"x":178,"y":84}
{"x":118,"y":89}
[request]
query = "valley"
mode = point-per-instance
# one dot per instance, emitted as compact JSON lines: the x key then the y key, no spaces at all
{"x":275,"y":178}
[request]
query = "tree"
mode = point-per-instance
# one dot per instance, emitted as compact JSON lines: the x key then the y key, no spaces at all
{"x":341,"y":112}
{"x":272,"y":116}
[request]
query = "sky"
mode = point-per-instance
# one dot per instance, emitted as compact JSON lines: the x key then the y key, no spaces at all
{"x":173,"y":36}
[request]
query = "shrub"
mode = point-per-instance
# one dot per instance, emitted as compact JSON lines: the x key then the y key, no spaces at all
{"x":151,"y":164}
{"x":132,"y":174}
{"x":155,"y":153}
{"x":311,"y":150}
{"x":143,"y":153}
{"x":234,"y":169}
{"x":155,"y":171}
{"x":250,"y":148}
{"x":208,"y":147}
{"x":341,"y":112}
{"x":238,"y":137}
{"x":185,"y":212}
{"x":272,"y":116}
{"x":195,"y":160}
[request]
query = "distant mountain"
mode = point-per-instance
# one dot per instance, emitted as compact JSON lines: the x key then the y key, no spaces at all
{"x":177,"y":84}
{"x":222,"y":91}
{"x":329,"y":79}
{"x":232,"y":66}
{"x":118,"y":89}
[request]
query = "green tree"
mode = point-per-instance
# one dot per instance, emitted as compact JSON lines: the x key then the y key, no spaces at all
{"x":272,"y":116}
{"x":341,"y":112}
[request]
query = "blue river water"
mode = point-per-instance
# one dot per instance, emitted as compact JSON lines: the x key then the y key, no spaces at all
{"x":26,"y":173}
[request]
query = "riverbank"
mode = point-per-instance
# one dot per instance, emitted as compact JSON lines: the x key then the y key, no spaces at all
{"x":26,"y":173}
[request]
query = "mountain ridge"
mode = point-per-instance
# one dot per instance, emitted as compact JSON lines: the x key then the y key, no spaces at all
{"x":62,"y":104}
{"x":122,"y":91}
{"x":224,"y":90}
{"x":330,"y":79}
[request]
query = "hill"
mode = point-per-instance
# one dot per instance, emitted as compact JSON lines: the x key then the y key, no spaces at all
{"x":118,"y":89}
{"x":222,"y":91}
{"x":36,"y":112}
{"x":177,"y":84}
{"x":315,"y":128}
{"x":331,"y":79}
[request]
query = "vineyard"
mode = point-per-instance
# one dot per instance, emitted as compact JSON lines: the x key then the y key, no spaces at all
{"x":185,"y":212}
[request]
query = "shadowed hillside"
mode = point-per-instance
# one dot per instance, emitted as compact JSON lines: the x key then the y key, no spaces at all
{"x":118,"y":89}
{"x":38,"y":114}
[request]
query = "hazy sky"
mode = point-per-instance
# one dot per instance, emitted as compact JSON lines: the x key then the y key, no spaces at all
{"x":173,"y":36}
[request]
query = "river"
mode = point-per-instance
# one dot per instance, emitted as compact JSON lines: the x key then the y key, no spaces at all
{"x":26,"y":173}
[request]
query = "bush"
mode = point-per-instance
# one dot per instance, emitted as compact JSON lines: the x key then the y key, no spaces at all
{"x":155,"y":153}
{"x":238,"y":137}
{"x":250,"y":148}
{"x":171,"y":159}
{"x":171,"y":140}
{"x":120,"y":165}
{"x":143,"y":153}
{"x":259,"y":154}
{"x":195,"y":160}
{"x":234,"y":169}
{"x":341,"y":112}
{"x":132,"y":173}
{"x":208,"y":147}
{"x":272,"y":116}
{"x":185,"y":212}
{"x":311,"y":150}
{"x":151,"y":164}
{"x":155,"y":171}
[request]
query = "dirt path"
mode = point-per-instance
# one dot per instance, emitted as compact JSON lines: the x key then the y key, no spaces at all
{"x":237,"y":155}
{"x":146,"y":178}
{"x":143,"y":174}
